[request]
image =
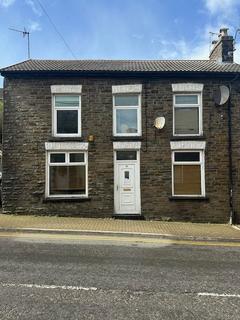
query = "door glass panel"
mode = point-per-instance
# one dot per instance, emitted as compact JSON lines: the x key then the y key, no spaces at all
{"x":126,"y":155}
{"x":126,"y":173}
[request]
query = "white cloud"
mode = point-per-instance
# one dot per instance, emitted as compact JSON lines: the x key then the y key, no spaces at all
{"x":196,"y":50}
{"x":34,"y":8}
{"x":220,"y":6}
{"x":34,"y":26}
{"x":182,"y":49}
{"x":6,"y":3}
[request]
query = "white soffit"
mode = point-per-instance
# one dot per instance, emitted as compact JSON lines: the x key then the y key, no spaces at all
{"x":66,"y":146}
{"x":66,"y":88}
{"x":188,"y":145}
{"x":129,"y":88}
{"x":187,"y":87}
{"x":124,"y":145}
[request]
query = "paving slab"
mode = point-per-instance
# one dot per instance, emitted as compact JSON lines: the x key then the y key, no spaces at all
{"x":115,"y":226}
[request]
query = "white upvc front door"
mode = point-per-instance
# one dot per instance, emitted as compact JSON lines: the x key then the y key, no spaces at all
{"x":127,"y":183}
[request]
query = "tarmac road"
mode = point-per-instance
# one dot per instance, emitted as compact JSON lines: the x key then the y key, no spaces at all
{"x":46,"y":277}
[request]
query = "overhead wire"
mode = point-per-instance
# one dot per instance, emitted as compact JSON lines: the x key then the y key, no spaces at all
{"x":56,"y":29}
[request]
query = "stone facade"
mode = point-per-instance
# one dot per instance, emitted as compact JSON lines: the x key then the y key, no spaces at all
{"x":28,"y":126}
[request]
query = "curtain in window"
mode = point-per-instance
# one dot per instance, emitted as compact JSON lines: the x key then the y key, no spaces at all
{"x":187,"y":179}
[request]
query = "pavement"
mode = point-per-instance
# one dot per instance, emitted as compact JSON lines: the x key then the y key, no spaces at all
{"x":117,"y":227}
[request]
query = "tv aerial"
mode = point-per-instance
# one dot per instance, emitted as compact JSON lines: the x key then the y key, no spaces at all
{"x":24,"y":33}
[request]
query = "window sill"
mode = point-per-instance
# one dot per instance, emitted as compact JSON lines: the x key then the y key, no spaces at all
{"x":56,"y":139}
{"x":65,"y":199}
{"x":190,"y":198}
{"x":127,"y":138}
{"x":177,"y":138}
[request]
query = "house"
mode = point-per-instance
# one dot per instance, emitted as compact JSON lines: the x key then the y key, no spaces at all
{"x":1,"y":112}
{"x":79,"y":138}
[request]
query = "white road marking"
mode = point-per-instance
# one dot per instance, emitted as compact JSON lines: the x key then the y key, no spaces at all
{"x":206,"y":294}
{"x":38,"y":286}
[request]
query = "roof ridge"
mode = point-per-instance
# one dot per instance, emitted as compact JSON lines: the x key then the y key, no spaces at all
{"x":114,"y":60}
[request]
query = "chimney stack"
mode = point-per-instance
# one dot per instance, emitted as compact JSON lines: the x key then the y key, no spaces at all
{"x":222,"y":50}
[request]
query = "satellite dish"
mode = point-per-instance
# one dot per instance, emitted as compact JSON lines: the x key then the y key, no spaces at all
{"x":159,"y":122}
{"x":221,"y":95}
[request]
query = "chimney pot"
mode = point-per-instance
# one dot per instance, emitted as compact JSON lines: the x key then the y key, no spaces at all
{"x":223,"y":32}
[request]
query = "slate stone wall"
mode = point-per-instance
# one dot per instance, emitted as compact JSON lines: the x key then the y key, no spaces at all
{"x":27,"y":126}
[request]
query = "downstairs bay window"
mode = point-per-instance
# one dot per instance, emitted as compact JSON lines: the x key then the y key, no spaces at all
{"x":188,"y":173}
{"x":67,"y":174}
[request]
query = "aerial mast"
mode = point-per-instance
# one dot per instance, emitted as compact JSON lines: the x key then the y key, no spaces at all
{"x":24,"y":33}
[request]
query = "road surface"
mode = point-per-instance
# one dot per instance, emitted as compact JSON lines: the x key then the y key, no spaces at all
{"x":71,"y":277}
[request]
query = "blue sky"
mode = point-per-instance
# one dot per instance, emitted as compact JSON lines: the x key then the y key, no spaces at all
{"x":115,"y":29}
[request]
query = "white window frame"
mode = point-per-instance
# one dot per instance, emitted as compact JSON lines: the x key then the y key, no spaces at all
{"x":66,"y":163}
{"x":54,"y":115}
{"x":139,"y":118}
{"x":198,"y":105}
{"x":201,"y":162}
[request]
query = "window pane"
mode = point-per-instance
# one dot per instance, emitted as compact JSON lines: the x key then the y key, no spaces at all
{"x":127,"y":121}
{"x":126,"y":100}
{"x":187,"y":156}
{"x":76,"y":157}
{"x":187,"y":180}
{"x":126,"y":155}
{"x":66,"y":101}
{"x":57,"y":157}
{"x":67,"y":180}
{"x":186,"y":120}
{"x":67,"y":121}
{"x":186,"y":99}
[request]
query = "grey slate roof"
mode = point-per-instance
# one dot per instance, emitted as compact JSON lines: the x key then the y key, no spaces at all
{"x":122,"y":66}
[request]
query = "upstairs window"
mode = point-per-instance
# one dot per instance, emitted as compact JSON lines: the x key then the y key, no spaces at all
{"x":187,"y":114}
{"x":188,"y":173}
{"x":67,"y":115}
{"x":127,"y":114}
